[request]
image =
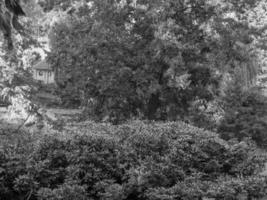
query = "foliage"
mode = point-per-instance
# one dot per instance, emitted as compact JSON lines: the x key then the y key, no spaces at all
{"x":245,"y":115}
{"x":150,"y":60}
{"x":161,"y":60}
{"x":10,"y":10}
{"x":66,"y":5}
{"x":132,"y":161}
{"x":16,"y":83}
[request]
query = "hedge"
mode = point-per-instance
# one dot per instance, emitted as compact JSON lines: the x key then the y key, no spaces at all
{"x":134,"y":161}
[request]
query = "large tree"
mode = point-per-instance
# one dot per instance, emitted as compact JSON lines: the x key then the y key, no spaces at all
{"x":150,"y":59}
{"x":10,"y":10}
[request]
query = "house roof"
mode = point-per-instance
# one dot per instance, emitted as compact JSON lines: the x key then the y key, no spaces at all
{"x":42,"y":65}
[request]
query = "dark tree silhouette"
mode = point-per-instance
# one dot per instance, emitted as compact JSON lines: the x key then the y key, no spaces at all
{"x":14,"y":7}
{"x":10,"y":10}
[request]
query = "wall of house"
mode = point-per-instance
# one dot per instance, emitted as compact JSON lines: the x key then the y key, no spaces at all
{"x":46,"y":76}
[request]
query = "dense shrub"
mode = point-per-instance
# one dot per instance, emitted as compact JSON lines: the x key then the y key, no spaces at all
{"x":133,"y":161}
{"x":245,"y":115}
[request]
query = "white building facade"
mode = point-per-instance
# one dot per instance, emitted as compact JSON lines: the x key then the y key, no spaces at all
{"x":44,"y":73}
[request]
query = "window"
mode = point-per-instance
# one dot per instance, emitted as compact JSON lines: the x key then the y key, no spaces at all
{"x":41,"y":73}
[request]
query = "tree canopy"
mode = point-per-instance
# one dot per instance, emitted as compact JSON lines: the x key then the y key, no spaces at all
{"x":152,"y":59}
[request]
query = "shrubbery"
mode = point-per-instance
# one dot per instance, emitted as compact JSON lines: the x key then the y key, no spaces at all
{"x":245,"y":115}
{"x":132,"y":161}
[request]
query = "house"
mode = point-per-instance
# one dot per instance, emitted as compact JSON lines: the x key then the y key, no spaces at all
{"x":43,"y":72}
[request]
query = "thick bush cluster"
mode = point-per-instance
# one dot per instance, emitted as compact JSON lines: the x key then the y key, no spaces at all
{"x":245,"y":115}
{"x":135,"y":161}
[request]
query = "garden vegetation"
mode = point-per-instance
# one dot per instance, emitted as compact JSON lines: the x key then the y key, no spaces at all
{"x":171,"y":105}
{"x":134,"y":161}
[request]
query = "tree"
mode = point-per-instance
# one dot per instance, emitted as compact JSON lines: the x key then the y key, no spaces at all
{"x":150,"y":59}
{"x":16,"y":83}
{"x":9,"y":12}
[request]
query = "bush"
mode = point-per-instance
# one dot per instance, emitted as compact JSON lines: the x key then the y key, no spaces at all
{"x":137,"y":160}
{"x":245,"y":116}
